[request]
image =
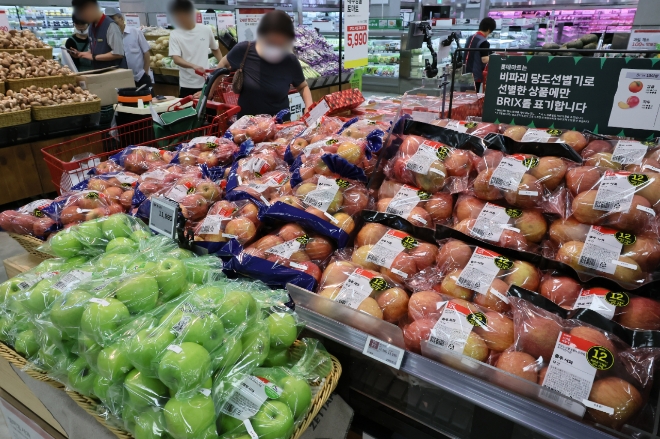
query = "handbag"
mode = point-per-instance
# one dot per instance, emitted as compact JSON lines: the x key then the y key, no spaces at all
{"x":237,"y":82}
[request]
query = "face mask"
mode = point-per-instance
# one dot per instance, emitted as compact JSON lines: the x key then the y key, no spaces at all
{"x":273,"y":54}
{"x":82,"y":32}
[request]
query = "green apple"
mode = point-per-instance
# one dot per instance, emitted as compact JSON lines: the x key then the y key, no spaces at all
{"x":26,"y":343}
{"x":40,"y":296}
{"x":256,"y":347}
{"x":297,"y":394}
{"x":196,"y":326}
{"x":102,"y":318}
{"x":121,"y":245}
{"x":117,"y":226}
{"x":231,"y":425}
{"x":282,"y":328}
{"x":143,"y":391}
{"x":237,"y":308}
{"x":227,"y":354}
{"x":150,"y":424}
{"x":136,"y":325}
{"x":66,"y":244}
{"x":204,"y":269}
{"x":141,"y":235}
{"x":88,"y":349}
{"x":73,"y":262}
{"x":189,"y":418}
{"x":172,"y":278}
{"x":277,"y":357}
{"x":101,"y":387}
{"x":208,"y":385}
{"x":139,"y":293}
{"x":114,"y":264}
{"x":113,"y":362}
{"x":144,"y":348}
{"x":6,"y":325}
{"x":208,"y":296}
{"x":67,"y":311}
{"x":90,"y":233}
{"x":180,"y":253}
{"x":49,"y":333}
{"x":48,"y":356}
{"x":184,"y":367}
{"x":274,"y":420}
{"x":211,"y":433}
{"x":10,"y":288}
{"x":129,"y":415}
{"x":81,"y":377}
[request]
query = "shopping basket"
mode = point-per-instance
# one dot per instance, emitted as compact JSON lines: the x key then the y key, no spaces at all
{"x":69,"y":162}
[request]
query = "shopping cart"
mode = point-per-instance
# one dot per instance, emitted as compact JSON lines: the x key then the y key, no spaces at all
{"x":70,"y":161}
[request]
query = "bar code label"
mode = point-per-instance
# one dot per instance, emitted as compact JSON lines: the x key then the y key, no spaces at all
{"x":256,"y":165}
{"x":286,"y":249}
{"x":178,"y":192}
{"x":179,"y":326}
{"x":71,"y":279}
{"x":325,"y":192}
{"x":509,"y":173}
{"x":212,"y":224}
{"x":616,"y":191}
{"x":536,"y":135}
{"x":602,"y":301}
{"x":574,"y":364}
{"x":405,"y":200}
{"x":481,"y":270}
{"x":125,"y":178}
{"x":359,"y":285}
{"x":427,"y":153}
{"x":601,"y":248}
{"x":249,"y":396}
{"x":383,"y":352}
{"x":156,"y":174}
{"x":492,"y":220}
{"x":389,"y":247}
{"x":458,"y":125}
{"x":454,"y":326}
{"x":258,"y":187}
{"x":629,"y":152}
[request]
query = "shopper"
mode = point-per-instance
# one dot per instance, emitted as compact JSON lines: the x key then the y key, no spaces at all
{"x":106,"y":42}
{"x":475,"y":62}
{"x":189,"y":47}
{"x":136,"y":49}
{"x":79,"y":42}
{"x":270,"y":67}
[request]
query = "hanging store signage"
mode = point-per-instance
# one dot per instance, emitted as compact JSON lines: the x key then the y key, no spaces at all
{"x":644,"y":39}
{"x":247,"y":21}
{"x":161,"y":20}
{"x":356,"y":33}
{"x":132,"y":20}
{"x":617,"y":96}
{"x":4,"y":21}
{"x":296,"y":106}
{"x":224,"y":20}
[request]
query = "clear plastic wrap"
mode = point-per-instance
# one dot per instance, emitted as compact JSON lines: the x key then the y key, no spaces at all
{"x":140,"y":159}
{"x":29,"y":220}
{"x":574,"y":139}
{"x":258,"y":163}
{"x":209,"y":150}
{"x":229,"y":219}
{"x":82,"y":206}
{"x":419,"y":207}
{"x":257,"y":128}
{"x":479,"y":129}
{"x":286,"y":132}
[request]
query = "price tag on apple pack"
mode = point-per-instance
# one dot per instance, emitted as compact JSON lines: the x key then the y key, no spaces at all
{"x":602,"y":248}
{"x":573,"y":366}
{"x":603,"y":301}
{"x":536,"y":135}
{"x":629,"y":152}
{"x":492,"y":221}
{"x":359,"y":285}
{"x":509,"y":173}
{"x":481,"y":270}
{"x":454,"y":326}
{"x":427,"y":153}
{"x":325,"y":192}
{"x":405,"y":200}
{"x":212,"y":224}
{"x":163,"y":216}
{"x":316,"y":113}
{"x":71,"y":279}
{"x":288,"y":248}
{"x":385,"y":251}
{"x":457,"y":125}
{"x":616,"y":191}
{"x":383,"y":352}
{"x":249,"y":396}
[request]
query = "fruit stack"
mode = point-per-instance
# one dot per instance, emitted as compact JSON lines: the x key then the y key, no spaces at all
{"x":159,"y":337}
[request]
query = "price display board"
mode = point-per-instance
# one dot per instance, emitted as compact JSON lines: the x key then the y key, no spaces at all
{"x":247,"y":20}
{"x":132,"y":20}
{"x":644,"y":39}
{"x":161,"y":20}
{"x":356,"y":33}
{"x":4,"y":21}
{"x":163,"y":216}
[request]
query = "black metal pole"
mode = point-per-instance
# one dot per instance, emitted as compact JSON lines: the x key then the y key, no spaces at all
{"x":341,"y":34}
{"x":453,"y":77}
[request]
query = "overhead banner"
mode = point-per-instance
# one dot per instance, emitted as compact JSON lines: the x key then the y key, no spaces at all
{"x":247,"y":21}
{"x":617,"y":96}
{"x":356,"y":33}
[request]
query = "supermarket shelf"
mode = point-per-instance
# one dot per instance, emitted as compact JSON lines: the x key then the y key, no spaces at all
{"x":520,"y":410}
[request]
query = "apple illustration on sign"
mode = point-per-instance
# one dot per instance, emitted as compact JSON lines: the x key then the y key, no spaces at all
{"x":636,"y":86}
{"x":631,"y":102}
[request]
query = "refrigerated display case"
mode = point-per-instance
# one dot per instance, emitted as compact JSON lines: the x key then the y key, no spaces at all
{"x":12,"y":16}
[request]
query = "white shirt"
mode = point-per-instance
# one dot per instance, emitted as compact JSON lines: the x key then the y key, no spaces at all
{"x":193,"y":46}
{"x":135,"y":46}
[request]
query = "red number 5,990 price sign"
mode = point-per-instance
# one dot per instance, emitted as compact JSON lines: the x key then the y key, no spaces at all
{"x":356,"y":35}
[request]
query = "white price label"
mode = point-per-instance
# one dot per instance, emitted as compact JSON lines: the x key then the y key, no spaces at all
{"x":156,"y":174}
{"x":34,"y":206}
{"x":481,"y":270}
{"x":536,"y":135}
{"x":324,"y":194}
{"x":125,"y":178}
{"x":359,"y":285}
{"x":163,"y":216}
{"x":601,"y":248}
{"x":424,"y":116}
{"x":317,"y":112}
{"x":453,"y":328}
{"x":492,"y":220}
{"x":405,"y":200}
{"x":427,"y":153}
{"x":616,"y":191}
{"x":457,"y":125}
{"x":602,"y":301}
{"x":629,"y":152}
{"x":389,"y":247}
{"x":383,"y":352}
{"x":177,"y":193}
{"x":71,"y":279}
{"x":212,"y":225}
{"x":174,"y":348}
{"x":286,"y":249}
{"x":509,"y":173}
{"x":249,"y":396}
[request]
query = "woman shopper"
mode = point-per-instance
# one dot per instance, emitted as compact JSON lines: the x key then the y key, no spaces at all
{"x":269,"y":67}
{"x":79,"y":42}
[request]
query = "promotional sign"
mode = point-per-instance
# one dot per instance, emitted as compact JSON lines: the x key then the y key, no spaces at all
{"x":645,"y":39}
{"x":4,"y":21}
{"x":161,"y":20}
{"x":224,"y":20}
{"x":617,"y":96}
{"x":132,"y":20}
{"x":356,"y":33}
{"x":209,"y":19}
{"x":20,"y":426}
{"x":247,"y":21}
{"x":296,"y":106}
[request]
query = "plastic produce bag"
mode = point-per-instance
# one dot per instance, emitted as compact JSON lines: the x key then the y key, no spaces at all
{"x":229,"y":219}
{"x":209,"y":150}
{"x":257,"y":128}
{"x":29,"y":220}
{"x":517,"y":133}
{"x":479,"y":129}
{"x":419,"y":207}
{"x":140,"y":159}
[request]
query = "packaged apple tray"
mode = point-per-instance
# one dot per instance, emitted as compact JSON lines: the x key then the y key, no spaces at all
{"x":449,"y":213}
{"x":160,"y":342}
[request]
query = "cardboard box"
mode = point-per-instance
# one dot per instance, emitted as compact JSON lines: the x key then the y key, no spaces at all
{"x":21,"y":423}
{"x":20,"y":264}
{"x":104,"y":83}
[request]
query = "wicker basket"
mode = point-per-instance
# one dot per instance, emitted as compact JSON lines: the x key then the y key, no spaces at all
{"x":46,"y":52}
{"x":164,"y":52}
{"x":15,"y":118}
{"x":3,"y":87}
{"x":45,"y":82}
{"x":156,"y":70}
{"x":169,"y":72}
{"x":153,"y":37}
{"x":31,"y":244}
{"x":66,"y":110}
